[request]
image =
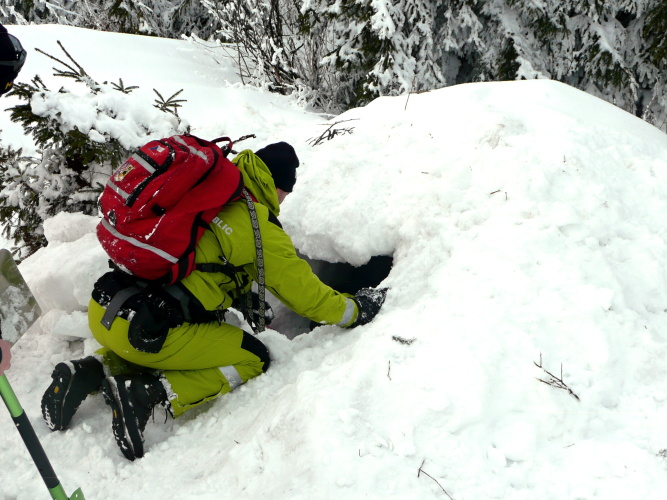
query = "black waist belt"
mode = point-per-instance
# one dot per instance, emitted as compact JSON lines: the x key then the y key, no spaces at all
{"x":151,"y":309}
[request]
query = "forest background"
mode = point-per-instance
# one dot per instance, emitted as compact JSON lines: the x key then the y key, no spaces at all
{"x":339,"y":54}
{"x":332,"y":56}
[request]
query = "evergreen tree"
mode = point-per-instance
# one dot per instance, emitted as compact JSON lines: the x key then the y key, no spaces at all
{"x":606,"y":48}
{"x":74,"y":161}
{"x":377,"y":47}
{"x":44,"y":11}
{"x":342,"y":53}
{"x":462,"y":32}
{"x":653,"y":101}
{"x":612,"y":49}
{"x":165,"y":18}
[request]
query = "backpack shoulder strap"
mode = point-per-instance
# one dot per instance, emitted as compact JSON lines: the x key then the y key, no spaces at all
{"x":261,"y":282}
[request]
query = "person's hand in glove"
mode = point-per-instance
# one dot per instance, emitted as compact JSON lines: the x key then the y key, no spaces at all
{"x":241,"y":305}
{"x":268,"y":310}
{"x":369,"y":301}
{"x":5,"y":356}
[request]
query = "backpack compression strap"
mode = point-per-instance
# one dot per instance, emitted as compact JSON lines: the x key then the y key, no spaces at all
{"x":116,"y":303}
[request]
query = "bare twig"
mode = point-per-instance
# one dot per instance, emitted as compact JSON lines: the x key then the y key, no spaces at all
{"x":402,"y":340}
{"x":499,"y":191}
{"x":331,"y":132}
{"x":555,"y":381}
{"x":389,"y":371}
{"x":411,"y":87}
{"x":422,"y":471}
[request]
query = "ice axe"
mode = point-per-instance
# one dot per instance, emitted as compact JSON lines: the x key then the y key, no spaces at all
{"x":19,"y":310}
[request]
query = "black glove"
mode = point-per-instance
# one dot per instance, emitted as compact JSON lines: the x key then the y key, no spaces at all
{"x":241,"y":305}
{"x":369,"y":301}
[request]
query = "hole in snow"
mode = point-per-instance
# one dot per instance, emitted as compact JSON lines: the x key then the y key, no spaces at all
{"x":347,"y":278}
{"x":340,"y":276}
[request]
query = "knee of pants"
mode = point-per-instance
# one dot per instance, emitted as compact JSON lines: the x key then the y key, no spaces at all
{"x":252,"y":344}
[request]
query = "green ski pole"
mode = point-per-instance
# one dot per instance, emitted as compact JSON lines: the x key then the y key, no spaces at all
{"x":31,"y":441}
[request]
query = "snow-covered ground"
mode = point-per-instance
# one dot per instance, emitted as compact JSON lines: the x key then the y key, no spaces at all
{"x":527,"y":225}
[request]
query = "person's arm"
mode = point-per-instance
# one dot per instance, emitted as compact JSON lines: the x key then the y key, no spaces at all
{"x":293,"y":282}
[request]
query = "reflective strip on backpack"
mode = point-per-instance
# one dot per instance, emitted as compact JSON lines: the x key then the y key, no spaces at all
{"x":193,"y":150}
{"x":118,"y":190}
{"x":138,"y":244}
{"x":141,"y":161}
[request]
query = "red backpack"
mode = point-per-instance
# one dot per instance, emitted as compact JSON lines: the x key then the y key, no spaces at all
{"x":158,"y":203}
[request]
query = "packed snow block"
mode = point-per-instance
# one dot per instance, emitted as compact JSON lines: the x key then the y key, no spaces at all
{"x":68,"y":325}
{"x":61,"y":275}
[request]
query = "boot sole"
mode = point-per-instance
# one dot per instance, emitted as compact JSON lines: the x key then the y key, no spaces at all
{"x":53,"y":401}
{"x":128,"y":437}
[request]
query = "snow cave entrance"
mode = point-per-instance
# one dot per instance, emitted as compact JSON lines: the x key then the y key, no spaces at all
{"x":340,"y":276}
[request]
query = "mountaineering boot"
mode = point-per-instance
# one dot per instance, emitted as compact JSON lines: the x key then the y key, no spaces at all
{"x":132,"y":399}
{"x":72,"y":382}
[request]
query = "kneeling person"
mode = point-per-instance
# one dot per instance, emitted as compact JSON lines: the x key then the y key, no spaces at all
{"x":207,"y":356}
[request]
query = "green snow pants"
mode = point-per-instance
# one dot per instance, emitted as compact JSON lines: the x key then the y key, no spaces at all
{"x":199,"y":361}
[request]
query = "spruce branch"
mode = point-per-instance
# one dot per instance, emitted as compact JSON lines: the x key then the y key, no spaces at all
{"x":555,"y":381}
{"x":120,"y":86}
{"x":69,"y":173}
{"x":74,"y":70}
{"x":169,"y":105}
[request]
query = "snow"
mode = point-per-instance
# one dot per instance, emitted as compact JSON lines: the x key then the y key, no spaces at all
{"x":526,"y":223}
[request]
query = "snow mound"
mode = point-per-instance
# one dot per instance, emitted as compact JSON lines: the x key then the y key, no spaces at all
{"x":528,"y":242}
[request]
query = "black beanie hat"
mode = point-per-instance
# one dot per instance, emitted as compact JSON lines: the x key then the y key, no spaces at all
{"x":8,"y":53}
{"x":282,"y":162}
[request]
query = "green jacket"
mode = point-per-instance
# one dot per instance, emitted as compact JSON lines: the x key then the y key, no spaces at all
{"x":288,"y":277}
